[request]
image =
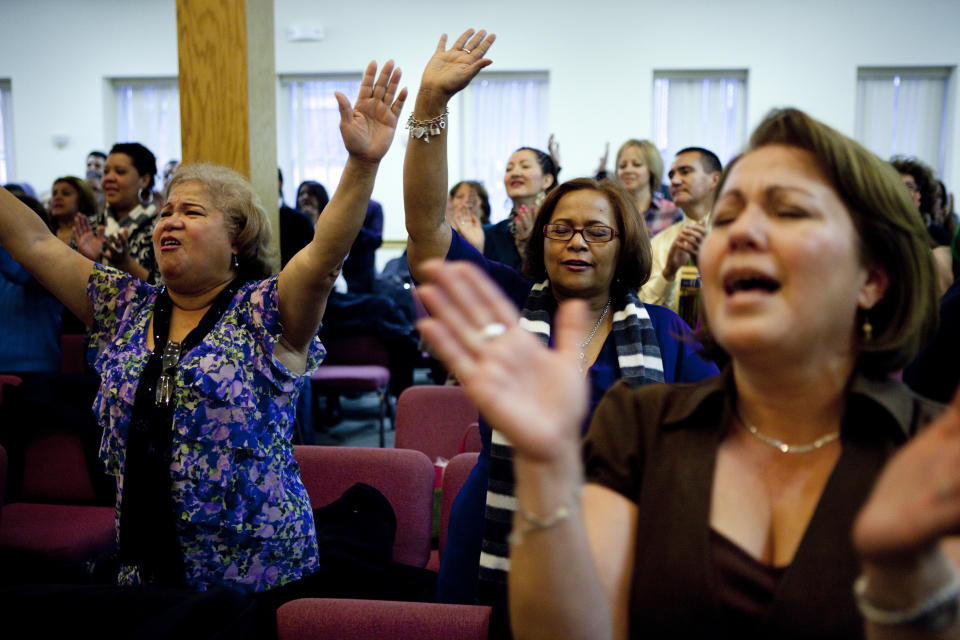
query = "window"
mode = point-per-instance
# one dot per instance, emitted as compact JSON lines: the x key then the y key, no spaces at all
{"x":498,"y":112}
{"x":6,"y":133}
{"x":700,"y":109}
{"x":308,"y":130}
{"x":904,"y":112}
{"x":148,"y":111}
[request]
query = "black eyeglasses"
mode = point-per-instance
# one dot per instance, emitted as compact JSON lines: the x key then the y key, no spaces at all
{"x":592,"y":233}
{"x":169,"y":360}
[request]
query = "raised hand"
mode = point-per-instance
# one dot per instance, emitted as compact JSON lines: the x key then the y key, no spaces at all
{"x":534,"y":395}
{"x":554,"y":148}
{"x":88,"y":243}
{"x":916,"y":500}
{"x":602,"y":166}
{"x":117,"y":247}
{"x":450,"y":70}
{"x":367,"y":128}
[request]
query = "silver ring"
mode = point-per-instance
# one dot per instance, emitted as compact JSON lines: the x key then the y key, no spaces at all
{"x":492,"y":330}
{"x":466,"y":50}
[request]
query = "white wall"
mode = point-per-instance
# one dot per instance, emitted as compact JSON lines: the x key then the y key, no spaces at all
{"x":600,"y":55}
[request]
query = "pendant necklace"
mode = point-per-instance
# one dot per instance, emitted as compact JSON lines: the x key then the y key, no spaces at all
{"x":596,"y":327}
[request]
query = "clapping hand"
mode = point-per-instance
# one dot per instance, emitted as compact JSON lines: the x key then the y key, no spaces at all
{"x":535,"y":396}
{"x":685,"y":248}
{"x":450,"y":70}
{"x":88,"y":243}
{"x":367,"y":128}
{"x":523,"y":226}
{"x":916,"y":500}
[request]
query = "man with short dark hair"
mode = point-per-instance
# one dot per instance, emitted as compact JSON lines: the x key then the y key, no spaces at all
{"x":96,"y":160}
{"x":693,"y":176}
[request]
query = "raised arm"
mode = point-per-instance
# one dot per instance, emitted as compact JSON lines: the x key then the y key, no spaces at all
{"x":367,"y":129}
{"x":60,"y":269}
{"x":536,"y":398}
{"x":906,"y":536}
{"x":425,"y":164}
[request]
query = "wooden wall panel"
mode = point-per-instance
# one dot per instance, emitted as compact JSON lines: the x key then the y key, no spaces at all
{"x":228,"y":90}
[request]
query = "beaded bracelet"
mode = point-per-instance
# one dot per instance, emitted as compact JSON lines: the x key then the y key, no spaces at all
{"x":936,"y":611}
{"x":423,"y":129}
{"x":532,"y":522}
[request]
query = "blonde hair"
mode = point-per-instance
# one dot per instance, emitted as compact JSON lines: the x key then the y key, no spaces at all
{"x":652,"y":157}
{"x":246,"y":218}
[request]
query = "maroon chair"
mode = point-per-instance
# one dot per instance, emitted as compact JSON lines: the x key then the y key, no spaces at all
{"x":71,"y":352}
{"x":356,"y":364}
{"x":53,"y":528}
{"x":377,"y":619}
{"x":405,"y":477}
{"x":432,"y":419}
{"x":454,"y":476}
{"x":47,"y":536}
{"x":472,"y":442}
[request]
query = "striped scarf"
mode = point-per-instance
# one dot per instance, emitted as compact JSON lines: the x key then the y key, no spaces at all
{"x":638,"y":355}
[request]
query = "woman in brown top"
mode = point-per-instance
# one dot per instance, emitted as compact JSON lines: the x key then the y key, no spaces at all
{"x":725,"y":508}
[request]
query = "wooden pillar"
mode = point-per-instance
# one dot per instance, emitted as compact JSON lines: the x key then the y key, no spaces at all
{"x":228,"y":90}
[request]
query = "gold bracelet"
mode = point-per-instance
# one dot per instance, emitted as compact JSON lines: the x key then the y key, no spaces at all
{"x":532,"y":522}
{"x":423,"y":129}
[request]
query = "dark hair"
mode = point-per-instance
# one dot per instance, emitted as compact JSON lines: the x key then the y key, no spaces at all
{"x":547,"y":166}
{"x":922,"y":175}
{"x":97,"y":153}
{"x":481,"y":193}
{"x":33,"y":203}
{"x":86,"y":201}
{"x":708,"y":159}
{"x":890,"y":232}
{"x":634,"y":262}
{"x":245,"y":217}
{"x":143,"y":159}
{"x":317,"y":191}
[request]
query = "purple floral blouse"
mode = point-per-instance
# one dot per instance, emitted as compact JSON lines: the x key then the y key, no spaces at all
{"x":243,"y":515}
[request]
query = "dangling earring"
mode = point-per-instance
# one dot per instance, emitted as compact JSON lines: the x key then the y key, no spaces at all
{"x":866,"y":330}
{"x":145,"y":200}
{"x":235,"y":264}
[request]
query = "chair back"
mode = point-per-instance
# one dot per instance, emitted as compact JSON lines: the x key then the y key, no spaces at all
{"x":375,"y":619}
{"x":454,"y":477}
{"x":71,"y":352}
{"x":432,"y":419}
{"x":405,"y":477}
{"x":356,"y":349}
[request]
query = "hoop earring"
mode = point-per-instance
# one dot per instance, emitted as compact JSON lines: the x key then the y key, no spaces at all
{"x":145,"y":200}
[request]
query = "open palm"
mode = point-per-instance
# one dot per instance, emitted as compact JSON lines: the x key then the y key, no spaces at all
{"x":533,"y":395}
{"x":449,"y":71}
{"x":367,"y":128}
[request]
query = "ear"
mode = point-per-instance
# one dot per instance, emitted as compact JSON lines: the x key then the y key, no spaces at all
{"x":714,"y":179}
{"x":874,"y":287}
{"x":144,"y":181}
{"x":547,"y":181}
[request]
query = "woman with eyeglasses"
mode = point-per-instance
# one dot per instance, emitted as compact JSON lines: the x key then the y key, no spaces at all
{"x":200,"y":377}
{"x":589,"y":243}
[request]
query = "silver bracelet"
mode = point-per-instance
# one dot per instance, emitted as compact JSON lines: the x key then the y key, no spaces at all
{"x":936,"y":611}
{"x":532,"y":522}
{"x":423,"y":129}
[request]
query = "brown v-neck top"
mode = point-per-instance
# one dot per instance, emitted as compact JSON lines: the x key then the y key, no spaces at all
{"x":657,"y":446}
